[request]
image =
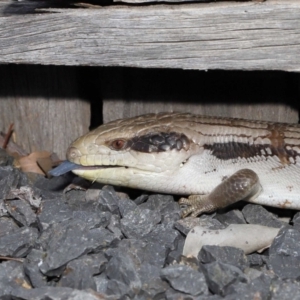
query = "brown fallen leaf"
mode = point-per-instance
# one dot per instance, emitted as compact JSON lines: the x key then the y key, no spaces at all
{"x":31,"y":163}
{"x":47,"y":163}
{"x":39,"y":162}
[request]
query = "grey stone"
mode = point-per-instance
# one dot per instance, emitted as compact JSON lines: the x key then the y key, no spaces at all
{"x":53,"y":211}
{"x":139,"y":222}
{"x":113,"y":251}
{"x":10,"y":178}
{"x":255,"y":260}
{"x":57,"y":293}
{"x":126,"y":205}
{"x":93,"y":220}
{"x":108,"y":200}
{"x":32,"y":270}
{"x":78,"y":273}
{"x":256,"y":214}
{"x":63,"y":242}
{"x":296,"y":221}
{"x":12,"y":277}
{"x":21,"y":211}
{"x":68,"y":240}
{"x":75,"y":242}
{"x":122,"y":268}
{"x":48,"y":194}
{"x":143,"y":295}
{"x":3,"y":210}
{"x":154,"y":253}
{"x":56,"y":210}
{"x":154,"y":289}
{"x":220,"y":276}
{"x":229,"y":255}
{"x":252,"y":273}
{"x":153,"y":203}
{"x":259,"y":288}
{"x":174,"y":255}
{"x":115,"y":226}
{"x":185,"y":279}
{"x":97,"y":262}
{"x":148,"y":272}
{"x":284,"y":258}
{"x":101,"y":282}
{"x":159,"y":202}
{"x":19,"y":242}
{"x":141,"y":199}
{"x":53,"y":187}
{"x":164,"y":235}
{"x":141,"y":251}
{"x":285,"y":290}
{"x":207,"y":221}
{"x":167,"y":207}
{"x":92,"y":194}
{"x":120,"y":290}
{"x":171,"y":294}
{"x":75,"y":197}
{"x":234,"y":216}
{"x":100,"y":238}
{"x":190,"y":261}
{"x":7,"y":225}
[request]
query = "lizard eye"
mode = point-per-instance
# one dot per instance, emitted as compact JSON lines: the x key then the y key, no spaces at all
{"x":118,"y":144}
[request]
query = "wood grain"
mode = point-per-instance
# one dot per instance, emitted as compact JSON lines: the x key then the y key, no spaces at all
{"x":266,"y":96}
{"x":223,"y":35}
{"x":44,"y":105}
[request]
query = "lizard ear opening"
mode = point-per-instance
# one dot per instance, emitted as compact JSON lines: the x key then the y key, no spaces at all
{"x":118,"y":144}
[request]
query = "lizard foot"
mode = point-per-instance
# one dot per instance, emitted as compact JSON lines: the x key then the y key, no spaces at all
{"x":242,"y":185}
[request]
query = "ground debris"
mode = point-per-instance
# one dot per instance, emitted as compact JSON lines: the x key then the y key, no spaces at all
{"x":97,"y":243}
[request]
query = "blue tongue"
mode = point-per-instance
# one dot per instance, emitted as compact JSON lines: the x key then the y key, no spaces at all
{"x":63,"y":168}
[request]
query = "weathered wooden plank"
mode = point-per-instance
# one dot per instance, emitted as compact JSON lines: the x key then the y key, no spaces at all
{"x":44,"y":105}
{"x":172,"y":1}
{"x":276,"y":112}
{"x":267,"y":96}
{"x":235,"y":35}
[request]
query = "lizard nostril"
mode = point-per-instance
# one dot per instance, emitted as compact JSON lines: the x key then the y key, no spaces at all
{"x":73,"y":153}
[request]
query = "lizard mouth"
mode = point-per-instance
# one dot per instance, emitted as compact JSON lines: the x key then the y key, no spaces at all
{"x":67,"y":166}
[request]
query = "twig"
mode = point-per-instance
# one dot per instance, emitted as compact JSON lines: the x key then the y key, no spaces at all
{"x":11,"y":258}
{"x":8,"y":135}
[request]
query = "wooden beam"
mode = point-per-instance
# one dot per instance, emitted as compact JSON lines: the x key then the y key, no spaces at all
{"x":265,"y":96}
{"x":223,"y":35}
{"x":46,"y":106}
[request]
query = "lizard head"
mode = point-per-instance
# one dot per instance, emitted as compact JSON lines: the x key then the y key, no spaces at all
{"x":132,"y":152}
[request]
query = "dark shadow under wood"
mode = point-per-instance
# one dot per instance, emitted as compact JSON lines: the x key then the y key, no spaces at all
{"x":46,"y":105}
{"x":258,"y":95}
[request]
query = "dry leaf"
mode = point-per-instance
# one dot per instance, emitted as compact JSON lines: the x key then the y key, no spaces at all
{"x":25,"y":193}
{"x":29,"y":163}
{"x":247,"y":237}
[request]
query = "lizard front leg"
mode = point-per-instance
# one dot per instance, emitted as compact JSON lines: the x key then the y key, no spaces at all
{"x":242,"y":185}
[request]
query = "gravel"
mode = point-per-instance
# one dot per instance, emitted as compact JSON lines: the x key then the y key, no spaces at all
{"x":100,"y":244}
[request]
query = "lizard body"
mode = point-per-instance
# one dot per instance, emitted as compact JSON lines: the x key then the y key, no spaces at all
{"x":216,"y":159}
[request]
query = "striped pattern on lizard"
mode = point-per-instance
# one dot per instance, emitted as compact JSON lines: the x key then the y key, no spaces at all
{"x":215,"y":161}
